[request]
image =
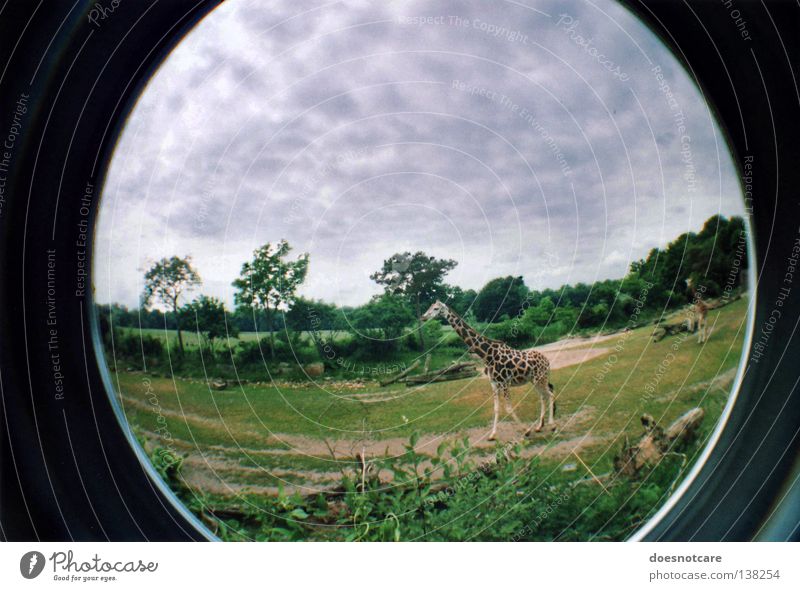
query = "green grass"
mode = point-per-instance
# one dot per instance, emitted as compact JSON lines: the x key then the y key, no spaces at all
{"x":247,"y":415}
{"x":269,"y":436}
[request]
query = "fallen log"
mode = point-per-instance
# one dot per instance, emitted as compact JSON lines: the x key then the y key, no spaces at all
{"x":440,"y":377}
{"x":401,"y":375}
{"x":723,"y":301}
{"x":684,"y":428}
{"x":453,"y":367}
{"x":218,"y":384}
{"x":671,"y":328}
{"x":454,"y":371}
{"x":656,"y":442}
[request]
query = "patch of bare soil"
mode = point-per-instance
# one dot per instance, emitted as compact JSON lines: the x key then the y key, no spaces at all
{"x":577,"y":342}
{"x":565,"y":357}
{"x":347,"y":449}
{"x":226,"y":476}
{"x":208,"y":482}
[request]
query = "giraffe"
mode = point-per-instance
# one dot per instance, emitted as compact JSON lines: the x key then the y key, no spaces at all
{"x":698,"y":321}
{"x":506,"y":367}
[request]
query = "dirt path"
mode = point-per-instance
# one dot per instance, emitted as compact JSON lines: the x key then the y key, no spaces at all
{"x":561,"y":358}
{"x":577,"y":342}
{"x":223,"y":476}
{"x":218,"y":469}
{"x":507,"y":431}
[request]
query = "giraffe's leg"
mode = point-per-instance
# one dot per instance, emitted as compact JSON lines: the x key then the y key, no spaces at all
{"x":551,"y":398}
{"x":540,"y":423}
{"x":496,"y":393}
{"x":509,"y":406}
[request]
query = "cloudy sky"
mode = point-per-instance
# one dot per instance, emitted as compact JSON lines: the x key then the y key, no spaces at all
{"x":554,"y":140}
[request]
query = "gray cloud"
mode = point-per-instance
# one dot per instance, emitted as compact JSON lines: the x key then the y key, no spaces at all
{"x":354,"y":133}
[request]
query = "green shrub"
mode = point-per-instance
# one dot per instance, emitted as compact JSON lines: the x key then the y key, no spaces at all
{"x":132,"y":346}
{"x":500,"y":498}
{"x":432,"y":332}
{"x":371,"y":345}
{"x":255,"y":353}
{"x":452,"y":340}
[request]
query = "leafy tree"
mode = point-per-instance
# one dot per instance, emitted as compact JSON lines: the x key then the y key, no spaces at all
{"x":209,"y":316}
{"x":417,"y":277}
{"x":166,"y":281}
{"x":542,"y":314}
{"x":307,"y":315}
{"x":461,"y":300}
{"x":386,"y":312}
{"x":500,"y":297}
{"x":567,"y":316}
{"x":269,"y":282}
{"x":708,"y":256}
{"x":594,"y":315}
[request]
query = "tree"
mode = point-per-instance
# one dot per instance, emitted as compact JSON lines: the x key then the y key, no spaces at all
{"x":269,"y":282}
{"x":386,"y":312}
{"x":542,"y":314}
{"x":417,"y":277}
{"x":311,"y":315}
{"x":460,"y":300}
{"x":166,"y":281}
{"x":504,"y":296}
{"x":209,"y":316}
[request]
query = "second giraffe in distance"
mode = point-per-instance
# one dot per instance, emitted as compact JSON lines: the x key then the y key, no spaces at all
{"x":506,"y":367}
{"x":698,"y":320}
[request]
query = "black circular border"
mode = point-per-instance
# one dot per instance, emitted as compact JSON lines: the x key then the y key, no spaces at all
{"x":67,"y":470}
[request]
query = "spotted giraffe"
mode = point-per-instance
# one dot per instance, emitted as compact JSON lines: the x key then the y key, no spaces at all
{"x":506,"y":367}
{"x":698,"y":321}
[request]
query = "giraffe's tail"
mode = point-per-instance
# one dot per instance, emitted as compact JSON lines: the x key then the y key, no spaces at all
{"x":553,"y":394}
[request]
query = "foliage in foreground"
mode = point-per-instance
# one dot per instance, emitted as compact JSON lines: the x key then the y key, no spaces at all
{"x":446,"y":498}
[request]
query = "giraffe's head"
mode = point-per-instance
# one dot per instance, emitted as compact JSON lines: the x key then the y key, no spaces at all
{"x":437,"y":308}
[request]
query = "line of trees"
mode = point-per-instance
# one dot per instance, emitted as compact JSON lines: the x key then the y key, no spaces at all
{"x":267,"y":301}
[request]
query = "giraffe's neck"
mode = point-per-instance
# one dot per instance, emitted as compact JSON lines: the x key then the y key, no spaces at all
{"x":475,"y":342}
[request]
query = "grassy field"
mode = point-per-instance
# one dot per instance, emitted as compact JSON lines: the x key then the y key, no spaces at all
{"x":262,"y":437}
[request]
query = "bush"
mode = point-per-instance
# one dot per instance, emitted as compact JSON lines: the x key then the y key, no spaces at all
{"x":512,"y":332}
{"x":132,"y":346}
{"x":520,"y":500}
{"x":502,"y":497}
{"x":505,"y":497}
{"x":452,"y":340}
{"x":369,"y":345}
{"x":297,"y":350}
{"x":433,"y":333}
{"x":550,"y":333}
